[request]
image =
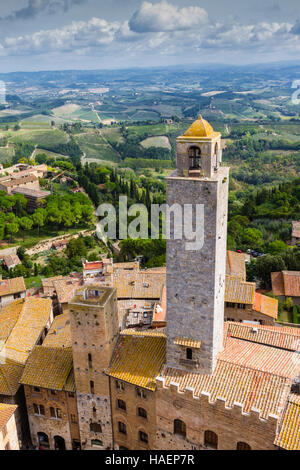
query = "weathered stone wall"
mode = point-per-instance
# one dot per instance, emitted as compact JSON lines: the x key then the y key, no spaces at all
{"x":240,"y":314}
{"x":47,"y":424}
{"x":231,"y":425}
{"x":94,"y":332}
{"x":196,"y":279}
{"x":134,"y":423}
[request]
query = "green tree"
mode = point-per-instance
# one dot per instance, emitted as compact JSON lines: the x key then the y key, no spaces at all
{"x":12,"y":229}
{"x":26,"y":223}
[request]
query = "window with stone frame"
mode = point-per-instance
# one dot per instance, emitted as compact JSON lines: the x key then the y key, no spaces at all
{"x":120,"y":385}
{"x":142,"y":412}
{"x":39,"y":409}
{"x":211,"y":439}
{"x":143,"y":437}
{"x":140,"y":392}
{"x":179,"y":427}
{"x":189,"y":353}
{"x":122,"y":427}
{"x":96,"y":427}
{"x":243,"y":446}
{"x":121,"y":404}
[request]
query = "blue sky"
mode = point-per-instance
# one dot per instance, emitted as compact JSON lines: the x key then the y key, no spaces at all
{"x":95,"y":34}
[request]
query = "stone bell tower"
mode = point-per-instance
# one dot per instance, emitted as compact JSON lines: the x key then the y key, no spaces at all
{"x":196,"y":277}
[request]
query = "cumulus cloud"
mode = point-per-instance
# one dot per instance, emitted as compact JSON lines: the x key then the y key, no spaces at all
{"x":35,"y":7}
{"x":80,"y":34}
{"x":117,"y":39}
{"x":162,"y":17}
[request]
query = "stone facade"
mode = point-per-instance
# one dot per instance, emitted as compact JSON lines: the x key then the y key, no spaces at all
{"x":244,"y":312}
{"x":139,"y":416}
{"x":57,"y":419}
{"x":196,"y":279}
{"x":230,"y":424}
{"x":94,"y":329}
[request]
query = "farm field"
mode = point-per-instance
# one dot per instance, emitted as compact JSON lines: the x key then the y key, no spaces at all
{"x":159,"y":141}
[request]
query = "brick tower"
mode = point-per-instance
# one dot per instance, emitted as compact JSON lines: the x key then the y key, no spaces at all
{"x":94,"y":329}
{"x":196,"y":277}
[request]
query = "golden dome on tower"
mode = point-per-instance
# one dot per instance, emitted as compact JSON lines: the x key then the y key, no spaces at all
{"x":200,"y":128}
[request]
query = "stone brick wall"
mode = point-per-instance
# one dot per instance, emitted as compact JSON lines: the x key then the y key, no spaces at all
{"x":134,"y":423}
{"x":196,"y":279}
{"x":248,"y":314}
{"x":47,"y":424}
{"x":231,"y":425}
{"x":94,"y":330}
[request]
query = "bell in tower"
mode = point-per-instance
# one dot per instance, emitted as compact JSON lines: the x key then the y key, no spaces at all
{"x":199,"y":151}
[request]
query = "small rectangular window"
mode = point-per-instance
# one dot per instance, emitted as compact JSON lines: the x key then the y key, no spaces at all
{"x":122,"y":427}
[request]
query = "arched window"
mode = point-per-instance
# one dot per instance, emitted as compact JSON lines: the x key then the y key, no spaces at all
{"x":142,"y":413}
{"x":189,"y":353}
{"x":96,"y":443}
{"x":143,"y":437}
{"x":59,"y":443}
{"x":211,"y":439}
{"x":194,"y":158}
{"x":92,"y":387}
{"x":52,"y":412}
{"x":243,"y":446}
{"x":43,"y":440}
{"x":179,"y":427}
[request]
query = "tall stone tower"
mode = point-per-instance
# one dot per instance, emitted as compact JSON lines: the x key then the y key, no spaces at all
{"x":94,"y":329}
{"x":196,"y":277}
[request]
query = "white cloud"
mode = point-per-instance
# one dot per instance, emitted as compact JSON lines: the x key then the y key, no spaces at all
{"x":80,"y":34}
{"x":162,"y":17}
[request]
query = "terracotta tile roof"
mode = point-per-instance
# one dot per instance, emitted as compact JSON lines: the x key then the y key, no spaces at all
{"x":235,"y":264}
{"x":138,"y":358}
{"x":291,"y":281}
{"x":10,"y":374}
{"x":12,"y":286}
{"x":238,"y":291}
{"x":257,"y":376}
{"x":296,"y":229}
{"x":289,"y":435}
{"x":48,"y":367}
{"x":276,"y":336}
{"x":15,"y":181}
{"x":188,"y":343}
{"x":66,"y":288}
{"x":21,"y":326}
{"x":96,"y":265}
{"x":286,"y":283}
{"x":264,"y":358}
{"x":48,"y":285}
{"x":35,"y":193}
{"x":59,"y":334}
{"x":234,"y":383}
{"x":139,"y":284}
{"x":11,"y":260}
{"x":265,"y":305}
{"x":33,"y":316}
{"x":6,"y":412}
